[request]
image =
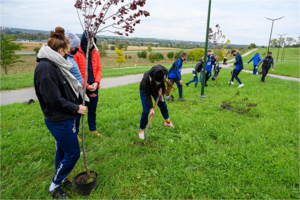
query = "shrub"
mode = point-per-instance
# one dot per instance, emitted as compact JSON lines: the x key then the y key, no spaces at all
{"x":129,"y":57}
{"x":36,"y":49}
{"x":126,"y":56}
{"x":178,"y":54}
{"x":142,"y":54}
{"x":170,"y":55}
{"x":153,"y":57}
{"x":112,"y":48}
{"x":195,"y":54}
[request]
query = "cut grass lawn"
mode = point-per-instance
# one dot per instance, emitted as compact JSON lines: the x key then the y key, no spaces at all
{"x":210,"y":154}
{"x":19,"y":81}
{"x":281,"y":68}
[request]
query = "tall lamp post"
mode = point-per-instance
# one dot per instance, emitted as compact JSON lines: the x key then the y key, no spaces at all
{"x":272,"y":29}
{"x":205,"y":53}
{"x":279,"y":45}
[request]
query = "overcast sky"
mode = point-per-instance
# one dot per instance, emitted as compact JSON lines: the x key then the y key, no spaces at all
{"x":241,"y":21}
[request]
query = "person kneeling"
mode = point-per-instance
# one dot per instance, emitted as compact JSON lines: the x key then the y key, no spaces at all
{"x":153,"y":84}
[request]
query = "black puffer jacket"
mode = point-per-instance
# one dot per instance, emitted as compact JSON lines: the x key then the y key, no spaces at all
{"x":56,"y":97}
{"x":199,"y":66}
{"x":146,"y":84}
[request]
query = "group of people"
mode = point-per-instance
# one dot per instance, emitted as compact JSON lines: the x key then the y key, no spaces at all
{"x":59,"y":81}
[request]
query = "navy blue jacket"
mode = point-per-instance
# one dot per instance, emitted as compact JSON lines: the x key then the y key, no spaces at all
{"x":175,"y":71}
{"x":239,"y":61}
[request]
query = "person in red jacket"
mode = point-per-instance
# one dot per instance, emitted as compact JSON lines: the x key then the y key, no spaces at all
{"x":94,"y":74}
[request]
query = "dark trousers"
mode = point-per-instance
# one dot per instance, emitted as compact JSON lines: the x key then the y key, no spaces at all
{"x":195,"y":78}
{"x":235,"y":75}
{"x":178,"y":85}
{"x":208,"y":75}
{"x":146,"y":110}
{"x":93,"y":96}
{"x":254,"y":69}
{"x":67,"y":147}
{"x":265,"y":71}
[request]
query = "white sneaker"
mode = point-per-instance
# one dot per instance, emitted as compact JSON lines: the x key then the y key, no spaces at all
{"x":169,"y":125}
{"x":142,"y":134}
{"x":231,"y":82}
{"x":241,"y":85}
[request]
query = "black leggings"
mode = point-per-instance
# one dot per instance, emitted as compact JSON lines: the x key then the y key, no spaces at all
{"x":264,"y":73}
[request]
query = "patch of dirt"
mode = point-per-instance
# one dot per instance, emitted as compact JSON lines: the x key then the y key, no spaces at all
{"x":84,"y":179}
{"x":139,"y":143}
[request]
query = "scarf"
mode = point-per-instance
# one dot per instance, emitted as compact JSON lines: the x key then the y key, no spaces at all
{"x":64,"y":66}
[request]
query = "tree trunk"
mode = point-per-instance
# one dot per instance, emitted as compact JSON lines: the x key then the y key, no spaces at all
{"x":5,"y":69}
{"x":83,"y":103}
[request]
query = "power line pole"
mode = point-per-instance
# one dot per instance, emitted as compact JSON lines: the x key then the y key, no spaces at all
{"x":279,"y":45}
{"x":272,"y":29}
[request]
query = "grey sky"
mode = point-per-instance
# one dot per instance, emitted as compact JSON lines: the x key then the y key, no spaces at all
{"x":241,"y":21}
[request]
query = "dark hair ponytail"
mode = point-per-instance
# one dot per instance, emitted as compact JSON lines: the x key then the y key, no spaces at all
{"x":58,"y":39}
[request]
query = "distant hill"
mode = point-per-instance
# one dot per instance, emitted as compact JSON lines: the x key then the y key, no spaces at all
{"x":122,"y":38}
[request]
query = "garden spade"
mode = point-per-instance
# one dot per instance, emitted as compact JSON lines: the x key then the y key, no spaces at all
{"x":217,"y":77}
{"x":146,"y":133}
{"x":231,"y":76}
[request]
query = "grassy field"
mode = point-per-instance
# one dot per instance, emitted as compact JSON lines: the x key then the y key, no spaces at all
{"x":281,"y":68}
{"x":8,"y":82}
{"x":211,"y":153}
{"x":290,"y":54}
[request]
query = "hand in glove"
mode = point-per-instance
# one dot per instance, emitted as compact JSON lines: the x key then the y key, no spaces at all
{"x":256,"y":67}
{"x":272,"y":70}
{"x":194,"y":75}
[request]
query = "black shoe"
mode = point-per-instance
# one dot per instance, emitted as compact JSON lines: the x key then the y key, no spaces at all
{"x":187,"y":84}
{"x":67,"y":183}
{"x":181,"y":99}
{"x":206,"y":85}
{"x":58,"y":193}
{"x":213,"y":78}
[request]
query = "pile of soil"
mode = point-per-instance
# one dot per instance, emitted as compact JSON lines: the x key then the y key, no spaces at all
{"x":84,"y":179}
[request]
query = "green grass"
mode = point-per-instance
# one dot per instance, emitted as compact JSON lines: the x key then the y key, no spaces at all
{"x":281,"y":68}
{"x":210,"y":154}
{"x":290,"y":54}
{"x":24,"y":80}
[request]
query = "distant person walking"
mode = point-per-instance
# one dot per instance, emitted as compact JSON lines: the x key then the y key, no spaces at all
{"x":266,"y":65}
{"x":59,"y":94}
{"x":256,"y":59}
{"x":238,"y":68}
{"x":175,"y":75}
{"x":208,"y":61}
{"x":209,"y":65}
{"x":195,"y":72}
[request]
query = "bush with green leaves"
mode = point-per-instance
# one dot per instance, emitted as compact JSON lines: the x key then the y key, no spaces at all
{"x":154,"y":57}
{"x":142,"y":54}
{"x":112,"y":48}
{"x":195,"y":54}
{"x":178,"y":54}
{"x":129,"y":57}
{"x":170,"y":55}
{"x":36,"y":49}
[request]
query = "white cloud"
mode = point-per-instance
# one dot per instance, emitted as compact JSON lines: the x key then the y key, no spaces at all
{"x":241,"y":21}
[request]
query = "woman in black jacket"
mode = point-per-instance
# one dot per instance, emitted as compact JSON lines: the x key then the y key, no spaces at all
{"x":58,"y":92}
{"x":153,"y":84}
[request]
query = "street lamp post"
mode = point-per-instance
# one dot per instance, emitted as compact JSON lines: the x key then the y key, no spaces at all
{"x":279,"y":45}
{"x":272,"y":29}
{"x":205,"y":53}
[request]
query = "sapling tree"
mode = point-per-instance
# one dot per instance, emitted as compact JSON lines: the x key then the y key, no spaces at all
{"x":114,"y":16}
{"x":214,"y":37}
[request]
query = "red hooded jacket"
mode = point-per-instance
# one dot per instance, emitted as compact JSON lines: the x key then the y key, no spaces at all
{"x":96,"y":64}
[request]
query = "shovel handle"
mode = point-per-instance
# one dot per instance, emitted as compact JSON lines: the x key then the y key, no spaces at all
{"x":231,"y":76}
{"x":150,"y":120}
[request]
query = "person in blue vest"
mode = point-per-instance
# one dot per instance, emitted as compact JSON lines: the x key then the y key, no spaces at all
{"x":195,"y":72}
{"x":256,"y":59}
{"x":208,"y":56}
{"x":238,"y":68}
{"x":175,"y":76}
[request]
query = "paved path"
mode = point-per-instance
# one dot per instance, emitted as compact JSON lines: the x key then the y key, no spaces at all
{"x":13,"y":96}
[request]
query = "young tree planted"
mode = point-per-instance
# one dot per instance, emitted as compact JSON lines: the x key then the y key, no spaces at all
{"x":120,"y":56}
{"x":113,"y":16}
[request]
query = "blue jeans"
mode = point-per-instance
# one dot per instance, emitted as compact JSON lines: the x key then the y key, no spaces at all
{"x":254,"y":70}
{"x":178,"y":85}
{"x":67,"y":147}
{"x":93,"y":96}
{"x":195,"y":78}
{"x":235,"y":75}
{"x":146,"y":110}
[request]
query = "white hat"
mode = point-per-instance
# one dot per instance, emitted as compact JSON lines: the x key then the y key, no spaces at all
{"x":73,"y":39}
